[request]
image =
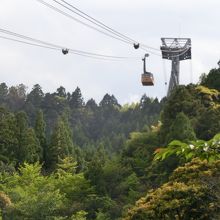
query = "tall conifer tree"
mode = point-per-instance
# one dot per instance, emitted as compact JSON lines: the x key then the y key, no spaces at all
{"x":61,"y":144}
{"x":28,"y":146}
{"x":8,"y":138}
{"x":40,"y":127}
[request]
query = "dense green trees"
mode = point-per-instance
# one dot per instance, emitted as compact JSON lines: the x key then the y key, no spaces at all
{"x":212,"y":80}
{"x":76,"y":100}
{"x":18,"y":141}
{"x":8,"y":139}
{"x":34,"y":196}
{"x":192,"y":193}
{"x":61,"y":144}
{"x":35,"y":97}
{"x":16,"y":97}
{"x":28,"y":148}
{"x":40,"y":131}
{"x":92,"y":123}
{"x":62,"y":158}
{"x":3,"y":93}
{"x":181,"y":129}
{"x":207,"y":118}
{"x":199,"y":104}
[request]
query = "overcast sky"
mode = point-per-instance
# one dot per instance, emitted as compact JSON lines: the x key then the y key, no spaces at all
{"x":144,"y":20}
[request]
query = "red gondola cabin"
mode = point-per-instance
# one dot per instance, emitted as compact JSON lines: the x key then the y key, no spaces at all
{"x":147,"y":78}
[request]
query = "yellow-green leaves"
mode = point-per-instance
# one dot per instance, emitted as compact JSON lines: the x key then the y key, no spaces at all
{"x":205,"y":150}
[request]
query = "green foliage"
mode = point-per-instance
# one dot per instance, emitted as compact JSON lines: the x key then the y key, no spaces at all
{"x":74,"y":186}
{"x":61,"y":143}
{"x":94,"y":174}
{"x":199,"y":104}
{"x":5,"y":204}
{"x":36,"y":95}
{"x":171,"y":202}
{"x":181,"y":129}
{"x":107,"y":123}
{"x":33,"y":150}
{"x":109,"y":101}
{"x":115,"y":184}
{"x":66,"y":165}
{"x":62,"y":195}
{"x":139,"y":150}
{"x":91,"y":172}
{"x":138,"y":157}
{"x":76,"y":100}
{"x":16,"y":97}
{"x":205,"y":150}
{"x":190,"y":197}
{"x":8,"y":137}
{"x":208,"y":123}
{"x":102,"y":216}
{"x":212,"y":93}
{"x":39,"y":128}
{"x":33,"y":196}
{"x":28,"y":148}
{"x":81,"y":215}
{"x":212,"y":80}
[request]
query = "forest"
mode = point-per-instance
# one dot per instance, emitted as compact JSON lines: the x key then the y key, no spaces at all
{"x":62,"y":158}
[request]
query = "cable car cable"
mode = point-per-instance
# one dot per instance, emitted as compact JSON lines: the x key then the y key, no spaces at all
{"x":99,"y":22}
{"x":61,"y":47}
{"x":128,"y":41}
{"x":96,"y":22}
{"x":104,"y":26}
{"x":28,"y":38}
{"x":107,"y":28}
{"x":28,"y":43}
{"x":57,"y":49}
{"x":119,"y":36}
{"x":81,"y":22}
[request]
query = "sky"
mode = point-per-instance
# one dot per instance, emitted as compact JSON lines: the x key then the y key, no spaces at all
{"x":143,"y":20}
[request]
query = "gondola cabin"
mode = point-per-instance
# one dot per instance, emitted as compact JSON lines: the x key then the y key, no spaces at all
{"x":147,"y":79}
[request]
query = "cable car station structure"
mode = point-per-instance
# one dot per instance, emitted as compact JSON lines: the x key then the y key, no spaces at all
{"x":176,"y":50}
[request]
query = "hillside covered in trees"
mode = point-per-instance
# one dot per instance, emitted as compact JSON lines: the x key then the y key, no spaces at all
{"x":107,"y":123}
{"x":62,"y":158}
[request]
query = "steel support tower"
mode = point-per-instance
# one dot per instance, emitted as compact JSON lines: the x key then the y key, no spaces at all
{"x":176,"y":50}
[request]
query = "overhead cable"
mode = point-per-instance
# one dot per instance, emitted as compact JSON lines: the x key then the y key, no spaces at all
{"x":112,"y":33}
{"x":81,"y":22}
{"x":28,"y":43}
{"x":40,"y":43}
{"x":94,"y":21}
{"x":104,"y":26}
{"x":42,"y":46}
